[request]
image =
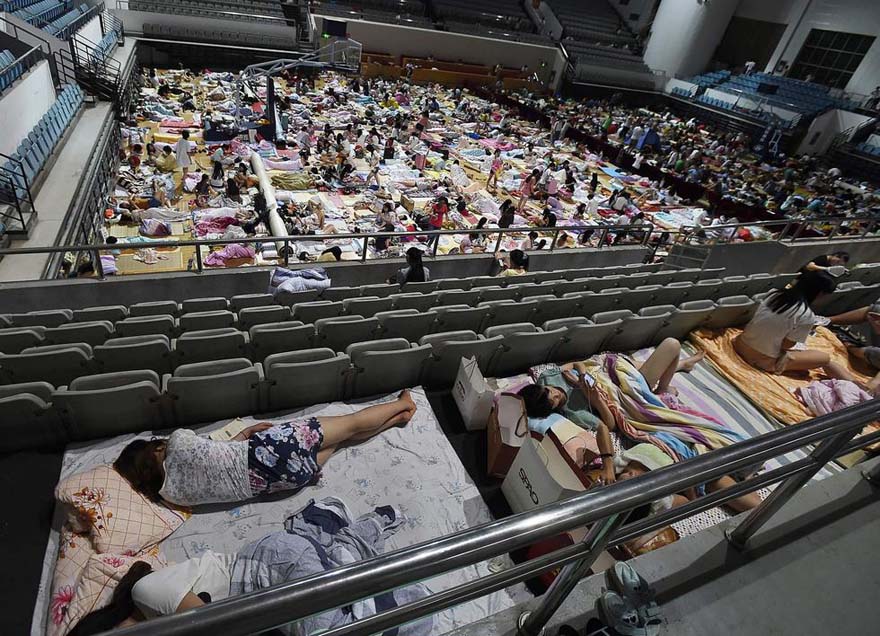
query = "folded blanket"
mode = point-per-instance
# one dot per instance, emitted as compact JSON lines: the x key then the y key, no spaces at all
{"x":826,"y":396}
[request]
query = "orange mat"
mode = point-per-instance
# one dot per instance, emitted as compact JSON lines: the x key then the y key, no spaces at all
{"x":774,"y":394}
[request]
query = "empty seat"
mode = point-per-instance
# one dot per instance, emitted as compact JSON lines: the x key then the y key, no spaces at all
{"x":109,"y":404}
{"x":408,"y":324}
{"x":674,"y":293}
{"x":462,"y":284}
{"x":304,"y":378}
{"x":425,"y":287}
{"x":48,"y":318}
{"x":202,"y":320}
{"x":242,"y":301}
{"x":215,"y":303}
{"x":414,"y":300}
{"x":569,"y":287}
{"x":252,"y":316}
{"x":491,"y":294}
{"x":382,"y":290}
{"x":735,"y":285}
{"x":316,"y":310}
{"x":27,"y":418}
{"x":447,"y":350}
{"x":92,"y":333}
{"x":606,"y":282}
{"x":483,"y":281}
{"x":289,"y":299}
{"x":339,"y":332}
{"x":278,"y":337}
{"x":641,"y":296}
{"x":581,"y":338}
{"x":211,"y":391}
{"x":683,"y":319}
{"x":537,"y":289}
{"x":155,"y":308}
{"x":151,"y":352}
{"x":706,"y":289}
{"x":524,"y":345}
{"x":366,"y":306}
{"x":210,"y":344}
{"x":499,"y":312}
{"x":340,"y":293}
{"x":384,"y":366}
{"x":636,"y":330}
{"x":15,"y":339}
{"x":732,"y":311}
{"x":590,"y":303}
{"x":553,"y":308}
{"x":55,"y":364}
{"x":108,"y":312}
{"x":458,"y":297}
{"x":461,"y":317}
{"x":146,"y":325}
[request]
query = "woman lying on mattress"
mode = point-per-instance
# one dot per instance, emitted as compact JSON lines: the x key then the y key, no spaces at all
{"x":320,"y":537}
{"x":784,"y":320}
{"x":188,"y":470}
{"x":637,"y":403}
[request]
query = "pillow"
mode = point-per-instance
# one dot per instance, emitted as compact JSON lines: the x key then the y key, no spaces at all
{"x":74,"y":551}
{"x":116,"y":518}
{"x":93,"y":589}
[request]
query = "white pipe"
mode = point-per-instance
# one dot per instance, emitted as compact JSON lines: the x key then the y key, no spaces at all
{"x":276,"y":225}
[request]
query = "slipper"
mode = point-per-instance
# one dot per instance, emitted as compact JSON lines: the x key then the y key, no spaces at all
{"x":633,"y":587}
{"x":621,"y":615}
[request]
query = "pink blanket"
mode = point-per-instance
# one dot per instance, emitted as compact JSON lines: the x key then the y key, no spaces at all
{"x":493,"y":143}
{"x":216,"y":225}
{"x":826,"y":396}
{"x":219,"y":258}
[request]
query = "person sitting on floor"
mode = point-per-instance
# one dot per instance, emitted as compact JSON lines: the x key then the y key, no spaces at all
{"x":188,"y":470}
{"x":869,"y":315}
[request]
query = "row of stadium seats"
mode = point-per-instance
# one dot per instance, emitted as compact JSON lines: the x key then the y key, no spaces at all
{"x":42,"y":12}
{"x":55,"y":27}
{"x":37,"y":147}
{"x":111,"y":403}
{"x":9,"y":69}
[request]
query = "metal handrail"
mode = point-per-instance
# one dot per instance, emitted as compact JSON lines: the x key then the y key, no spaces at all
{"x":26,"y":60}
{"x":74,"y":26}
{"x":689,"y":232}
{"x":606,"y":508}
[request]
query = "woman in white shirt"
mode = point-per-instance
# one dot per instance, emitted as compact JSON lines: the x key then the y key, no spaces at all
{"x":784,"y":320}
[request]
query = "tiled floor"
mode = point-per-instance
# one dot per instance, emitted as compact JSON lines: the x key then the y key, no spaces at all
{"x":53,"y":199}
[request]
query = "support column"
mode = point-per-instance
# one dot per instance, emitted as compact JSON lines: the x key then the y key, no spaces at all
{"x":276,"y":225}
{"x":686,"y":33}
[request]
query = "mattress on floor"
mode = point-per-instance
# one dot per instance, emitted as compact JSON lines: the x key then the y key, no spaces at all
{"x":413,"y":468}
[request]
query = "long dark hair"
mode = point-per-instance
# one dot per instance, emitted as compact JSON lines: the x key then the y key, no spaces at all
{"x":802,"y":294}
{"x":218,"y":171}
{"x":536,"y":399}
{"x":519,"y":260}
{"x":121,"y":604}
{"x":416,"y":273}
{"x":138,"y":465}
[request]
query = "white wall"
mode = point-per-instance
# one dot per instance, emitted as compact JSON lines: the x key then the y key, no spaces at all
{"x":91,"y":30}
{"x":685,"y":34}
{"x":779,"y":11}
{"x":22,"y":106}
{"x":826,"y":127}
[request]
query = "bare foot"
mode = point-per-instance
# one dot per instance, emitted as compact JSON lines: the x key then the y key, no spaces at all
{"x":399,"y":420}
{"x":406,"y":402}
{"x":686,"y":365}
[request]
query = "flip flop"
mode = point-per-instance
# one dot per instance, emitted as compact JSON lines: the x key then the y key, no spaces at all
{"x":621,"y":615}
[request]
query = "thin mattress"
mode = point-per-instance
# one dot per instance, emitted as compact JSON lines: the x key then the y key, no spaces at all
{"x":413,"y":468}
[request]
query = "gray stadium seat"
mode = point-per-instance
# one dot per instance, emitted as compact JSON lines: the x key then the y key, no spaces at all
{"x":453,"y":284}
{"x":242,"y":301}
{"x":47,"y":318}
{"x":408,"y":324}
{"x":366,"y":306}
{"x":606,"y":300}
{"x":495,"y":293}
{"x":732,"y":311}
{"x":340,"y":293}
{"x":636,"y":330}
{"x":16,"y":339}
{"x":756,"y":284}
{"x":253,"y":316}
{"x":570,"y":287}
{"x":280,"y":337}
{"x":684,"y":319}
{"x":288,"y":299}
{"x":524,"y":292}
{"x":210,"y":391}
{"x":384,"y":366}
{"x":55,"y":364}
{"x":155,"y":308}
{"x":461,"y":317}
{"x":304,"y":378}
{"x":606,"y":282}
{"x":214,"y":303}
{"x":483,"y":281}
{"x":92,"y":333}
{"x":382,"y":290}
{"x":202,"y":320}
{"x":339,"y":332}
{"x":581,"y":338}
{"x":735,"y":285}
{"x":458,"y":297}
{"x":447,"y":350}
{"x":424,"y":287}
{"x":146,"y":326}
{"x":505,"y":312}
{"x":641,"y":296}
{"x":674,"y":293}
{"x":27,"y":419}
{"x":316,"y":310}
{"x":5,"y":322}
{"x":110,"y":404}
{"x":151,"y":352}
{"x":414,"y":300}
{"x":524,"y":345}
{"x":210,"y":344}
{"x":554,"y":308}
{"x":706,"y":289}
{"x":108,"y":312}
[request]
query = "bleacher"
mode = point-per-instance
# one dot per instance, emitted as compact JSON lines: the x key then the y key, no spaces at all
{"x":34,"y":151}
{"x":248,"y":10}
{"x":407,"y":12}
{"x":57,"y":26}
{"x":101,"y":371}
{"x":10,"y":70}
{"x":868,"y":148}
{"x":793,"y":94}
{"x":42,"y":12}
{"x":707,"y":80}
{"x":499,"y":17}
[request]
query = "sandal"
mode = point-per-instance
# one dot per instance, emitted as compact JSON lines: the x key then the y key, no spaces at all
{"x":621,"y":615}
{"x":633,"y":587}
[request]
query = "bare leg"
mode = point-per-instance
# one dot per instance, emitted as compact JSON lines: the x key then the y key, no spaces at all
{"x":661,"y":365}
{"x":368,"y":422}
{"x":740,"y":504}
{"x":687,"y":365}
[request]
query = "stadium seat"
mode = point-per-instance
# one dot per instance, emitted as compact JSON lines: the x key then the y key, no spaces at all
{"x":214,"y":303}
{"x":339,"y":332}
{"x":48,"y":318}
{"x":683,"y":319}
{"x":243,"y":301}
{"x":252,"y":316}
{"x":210,"y":344}
{"x":112,"y":313}
{"x":366,"y":306}
{"x":55,"y":364}
{"x":449,"y":348}
{"x":524,"y":345}
{"x":202,"y":320}
{"x":148,"y":325}
{"x":302,"y":378}
{"x":27,"y":419}
{"x":93,"y":333}
{"x":732,"y":311}
{"x":279,"y":337}
{"x":340,"y":293}
{"x":151,"y":352}
{"x":408,"y":324}
{"x":210,"y":391}
{"x":383,"y":366}
{"x":581,"y":338}
{"x":15,"y":339}
{"x":458,"y":297}
{"x":156,"y":308}
{"x":414,"y":300}
{"x":288,"y":299}
{"x":462,"y":317}
{"x":316,"y":310}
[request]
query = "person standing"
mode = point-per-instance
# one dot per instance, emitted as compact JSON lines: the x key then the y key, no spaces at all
{"x":182,"y":155}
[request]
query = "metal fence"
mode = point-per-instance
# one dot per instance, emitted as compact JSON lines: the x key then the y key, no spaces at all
{"x":604,"y":510}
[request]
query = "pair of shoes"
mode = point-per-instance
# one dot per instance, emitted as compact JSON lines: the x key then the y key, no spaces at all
{"x":629,"y":609}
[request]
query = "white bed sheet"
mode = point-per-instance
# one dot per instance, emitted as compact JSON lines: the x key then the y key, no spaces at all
{"x":413,"y":468}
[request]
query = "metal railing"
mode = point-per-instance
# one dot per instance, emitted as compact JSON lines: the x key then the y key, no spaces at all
{"x":76,"y":25}
{"x":22,"y":64}
{"x":789,"y":230}
{"x":604,"y":509}
{"x":15,"y":191}
{"x":228,"y":11}
{"x":90,"y":200}
{"x":61,"y":69}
